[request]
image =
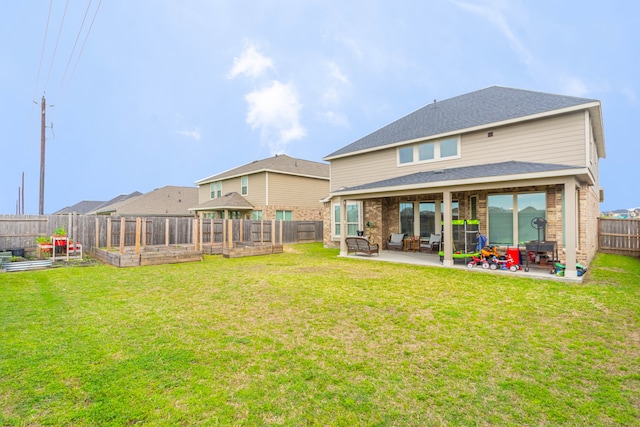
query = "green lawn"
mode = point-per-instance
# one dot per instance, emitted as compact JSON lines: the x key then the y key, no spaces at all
{"x":306,"y":338}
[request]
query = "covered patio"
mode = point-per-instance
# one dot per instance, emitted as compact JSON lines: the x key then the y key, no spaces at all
{"x":433,"y":260}
{"x":505,"y":198}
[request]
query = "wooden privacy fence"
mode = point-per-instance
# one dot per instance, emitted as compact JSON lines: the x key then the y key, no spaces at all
{"x":619,"y":236}
{"x":20,"y":231}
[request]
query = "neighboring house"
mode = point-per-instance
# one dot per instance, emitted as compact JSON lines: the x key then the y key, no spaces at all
{"x":499,"y":155}
{"x":89,"y":207}
{"x":279,"y":187}
{"x":81,"y":208}
{"x":170,"y":200}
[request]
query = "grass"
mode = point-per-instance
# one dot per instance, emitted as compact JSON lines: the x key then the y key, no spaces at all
{"x":306,"y":338}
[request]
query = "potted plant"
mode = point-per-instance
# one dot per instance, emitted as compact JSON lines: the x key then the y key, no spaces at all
{"x":44,"y":245}
{"x":60,"y":232}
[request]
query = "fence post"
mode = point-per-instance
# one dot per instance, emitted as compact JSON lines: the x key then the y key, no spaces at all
{"x":122,"y":225}
{"x":108,"y":233}
{"x":273,"y":231}
{"x":138,"y":221}
{"x":97,"y":244}
{"x":143,"y":241}
{"x":194,"y":236}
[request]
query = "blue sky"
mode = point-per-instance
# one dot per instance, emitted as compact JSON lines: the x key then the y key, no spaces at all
{"x":148,"y":93}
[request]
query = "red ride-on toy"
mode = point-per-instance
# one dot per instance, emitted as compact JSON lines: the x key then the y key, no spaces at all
{"x":508,"y":262}
{"x":478,"y":260}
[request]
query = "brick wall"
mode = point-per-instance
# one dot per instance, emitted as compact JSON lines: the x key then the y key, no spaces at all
{"x":297,"y":213}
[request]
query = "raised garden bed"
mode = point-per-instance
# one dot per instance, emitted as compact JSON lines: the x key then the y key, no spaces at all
{"x":250,"y":249}
{"x":36,"y":264}
{"x":149,"y":255}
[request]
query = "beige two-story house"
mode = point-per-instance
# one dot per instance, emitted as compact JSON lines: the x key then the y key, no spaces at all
{"x":275,"y":188}
{"x":522,"y":164}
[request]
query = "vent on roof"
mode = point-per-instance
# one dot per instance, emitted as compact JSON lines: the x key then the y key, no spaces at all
{"x":438,"y":171}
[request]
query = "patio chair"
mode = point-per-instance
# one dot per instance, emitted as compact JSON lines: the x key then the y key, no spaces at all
{"x":432,"y":244}
{"x":396,"y":242}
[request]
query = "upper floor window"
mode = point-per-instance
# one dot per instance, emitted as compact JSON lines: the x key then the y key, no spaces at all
{"x":245,"y":185}
{"x":429,"y":151}
{"x":216,"y":189}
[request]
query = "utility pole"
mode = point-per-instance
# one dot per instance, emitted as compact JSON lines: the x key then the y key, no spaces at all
{"x":42,"y":153}
{"x":22,"y":193}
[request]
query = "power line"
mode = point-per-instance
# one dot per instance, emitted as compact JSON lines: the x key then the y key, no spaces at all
{"x":75,"y":43}
{"x":56,"y":47}
{"x":95,"y":14}
{"x":44,"y":43}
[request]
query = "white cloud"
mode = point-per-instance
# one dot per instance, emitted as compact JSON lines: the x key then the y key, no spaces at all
{"x":575,"y":86}
{"x":251,"y":63}
{"x":333,"y":94}
{"x":336,"y":119}
{"x":492,"y":11}
{"x":336,"y":73}
{"x":275,"y":111}
{"x":194,"y":133}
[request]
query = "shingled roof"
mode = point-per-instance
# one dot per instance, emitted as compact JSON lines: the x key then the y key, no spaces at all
{"x":166,"y":201}
{"x":483,"y":107}
{"x":82,"y":208}
{"x":280,"y":163}
{"x":434,"y":177}
{"x":231,"y":200}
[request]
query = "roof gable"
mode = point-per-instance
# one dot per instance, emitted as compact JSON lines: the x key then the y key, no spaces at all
{"x":279,"y":163}
{"x":483,"y":107}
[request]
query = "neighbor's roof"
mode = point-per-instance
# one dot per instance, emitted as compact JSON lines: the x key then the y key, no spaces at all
{"x":119,"y":198}
{"x":165,"y":201}
{"x":434,"y":177}
{"x":493,"y":105}
{"x":83,"y":207}
{"x":280,"y":163}
{"x":228,"y":201}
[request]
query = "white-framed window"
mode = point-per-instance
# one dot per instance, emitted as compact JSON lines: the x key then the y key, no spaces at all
{"x":256,"y":215}
{"x":216,"y":189}
{"x":422,"y":152}
{"x":354,"y":219}
{"x":245,"y":185}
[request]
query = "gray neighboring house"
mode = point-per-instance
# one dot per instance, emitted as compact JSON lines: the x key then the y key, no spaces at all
{"x":82,"y":208}
{"x":89,"y":207}
{"x":169,"y":201}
